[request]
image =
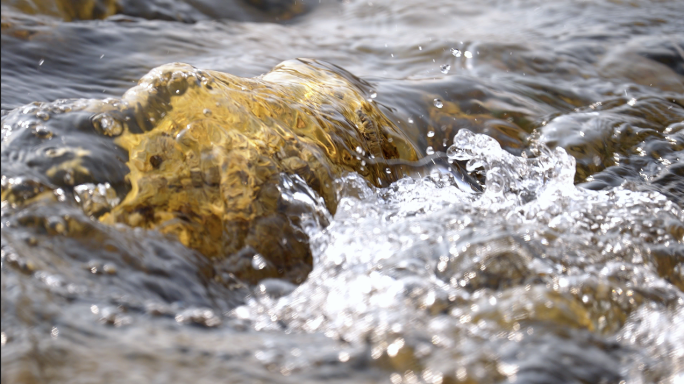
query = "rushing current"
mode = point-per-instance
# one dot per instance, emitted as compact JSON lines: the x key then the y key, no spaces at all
{"x":301,"y":191}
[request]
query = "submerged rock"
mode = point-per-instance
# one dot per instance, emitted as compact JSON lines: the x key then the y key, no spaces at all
{"x":227,"y":165}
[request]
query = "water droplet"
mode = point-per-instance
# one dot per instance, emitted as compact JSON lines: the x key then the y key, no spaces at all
{"x":445,"y":68}
{"x":438,"y":103}
{"x":107,"y":125}
{"x":373,"y":95}
{"x":207,"y":112}
{"x":468,"y":54}
{"x":359,"y":150}
{"x":420,"y":48}
{"x":430,"y":133}
{"x":388,"y":171}
{"x":455,"y":52}
{"x":410,"y":120}
{"x":430,"y":151}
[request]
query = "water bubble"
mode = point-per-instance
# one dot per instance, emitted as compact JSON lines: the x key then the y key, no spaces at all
{"x":258,"y":262}
{"x":455,"y":52}
{"x":29,"y":109}
{"x":69,"y":177}
{"x":107,"y":125}
{"x":60,"y":194}
{"x":158,"y":309}
{"x":42,"y":132}
{"x":178,"y":83}
{"x":275,"y":288}
{"x":109,"y":269}
{"x":56,"y":225}
{"x":430,"y":151}
{"x":207,"y":112}
{"x":96,"y":199}
{"x":96,"y":267}
{"x":430,"y":133}
{"x":393,"y":349}
{"x":199,"y":316}
{"x":445,"y":68}
{"x":438,"y":103}
{"x":43,"y":115}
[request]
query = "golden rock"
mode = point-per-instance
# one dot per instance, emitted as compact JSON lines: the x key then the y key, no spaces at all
{"x":209,"y":155}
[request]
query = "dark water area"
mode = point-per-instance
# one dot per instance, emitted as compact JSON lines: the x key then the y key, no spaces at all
{"x":275,"y":191}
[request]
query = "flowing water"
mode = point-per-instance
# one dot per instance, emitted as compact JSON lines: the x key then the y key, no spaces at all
{"x":276,"y":191}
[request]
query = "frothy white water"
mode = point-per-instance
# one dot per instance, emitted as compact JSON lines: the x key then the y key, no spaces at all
{"x":435,"y":281}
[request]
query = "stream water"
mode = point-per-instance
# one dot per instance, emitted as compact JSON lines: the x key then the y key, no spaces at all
{"x":276,"y":191}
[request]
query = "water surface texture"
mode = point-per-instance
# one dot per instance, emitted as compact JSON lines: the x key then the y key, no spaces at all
{"x":277,"y":191}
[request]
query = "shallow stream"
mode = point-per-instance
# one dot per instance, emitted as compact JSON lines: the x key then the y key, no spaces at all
{"x":276,"y":191}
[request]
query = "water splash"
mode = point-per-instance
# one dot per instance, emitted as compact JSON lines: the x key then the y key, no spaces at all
{"x":425,"y":272}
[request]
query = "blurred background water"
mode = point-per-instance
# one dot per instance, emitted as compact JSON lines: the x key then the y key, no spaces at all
{"x":533,"y":233}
